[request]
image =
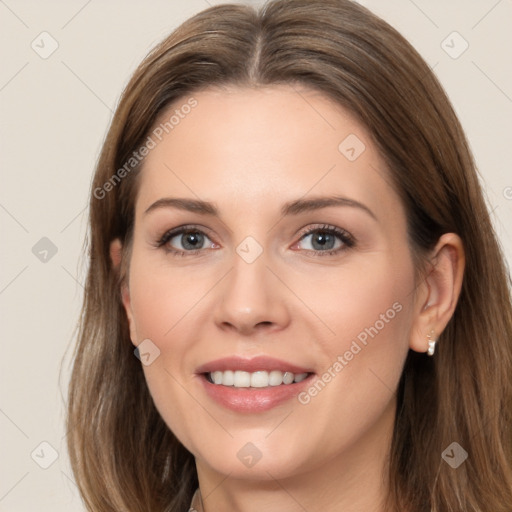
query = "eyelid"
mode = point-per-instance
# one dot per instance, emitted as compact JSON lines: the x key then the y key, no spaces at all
{"x":326,"y":228}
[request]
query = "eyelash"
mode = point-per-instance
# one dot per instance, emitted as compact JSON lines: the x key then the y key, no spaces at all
{"x":346,"y":238}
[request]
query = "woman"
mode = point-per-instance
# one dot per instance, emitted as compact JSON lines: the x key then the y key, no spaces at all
{"x":295,"y":300}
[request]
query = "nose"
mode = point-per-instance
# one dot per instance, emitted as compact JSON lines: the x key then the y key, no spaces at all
{"x":252,"y":299}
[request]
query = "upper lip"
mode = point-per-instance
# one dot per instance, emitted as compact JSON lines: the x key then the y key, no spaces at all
{"x":250,"y":365}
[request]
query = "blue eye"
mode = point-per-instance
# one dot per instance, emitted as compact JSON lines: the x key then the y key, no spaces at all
{"x":190,"y":238}
{"x":324,"y":238}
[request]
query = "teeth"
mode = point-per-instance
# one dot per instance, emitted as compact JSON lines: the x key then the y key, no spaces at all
{"x":275,"y":378}
{"x":300,"y":377}
{"x":288,"y":378}
{"x":260,"y":379}
{"x":228,"y":378}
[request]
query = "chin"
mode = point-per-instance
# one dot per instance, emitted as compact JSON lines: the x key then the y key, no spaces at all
{"x":255,"y":461}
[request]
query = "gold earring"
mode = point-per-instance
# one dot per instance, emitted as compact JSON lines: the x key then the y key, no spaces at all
{"x":431,"y":343}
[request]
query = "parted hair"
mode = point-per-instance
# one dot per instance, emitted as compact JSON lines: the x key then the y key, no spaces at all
{"x":123,"y":455}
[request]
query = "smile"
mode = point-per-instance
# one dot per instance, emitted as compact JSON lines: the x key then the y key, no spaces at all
{"x":255,"y":384}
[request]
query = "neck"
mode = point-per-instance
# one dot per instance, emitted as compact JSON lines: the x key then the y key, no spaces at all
{"x":354,"y":480}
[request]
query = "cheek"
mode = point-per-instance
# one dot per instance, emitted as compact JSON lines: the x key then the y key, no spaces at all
{"x":369,"y":304}
{"x":369,"y":311}
{"x":165,"y":304}
{"x":163,"y":299}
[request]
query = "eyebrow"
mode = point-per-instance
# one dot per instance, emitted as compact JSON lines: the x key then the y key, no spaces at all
{"x":295,"y":207}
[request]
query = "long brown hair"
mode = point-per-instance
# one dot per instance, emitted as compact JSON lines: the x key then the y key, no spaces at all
{"x":123,"y":455}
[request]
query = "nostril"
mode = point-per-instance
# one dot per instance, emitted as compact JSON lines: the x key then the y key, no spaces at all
{"x":266,"y":322}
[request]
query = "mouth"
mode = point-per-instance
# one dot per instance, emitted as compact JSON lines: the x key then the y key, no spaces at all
{"x":253,"y":385}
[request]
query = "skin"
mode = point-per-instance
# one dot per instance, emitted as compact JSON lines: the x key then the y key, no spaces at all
{"x":249,"y":151}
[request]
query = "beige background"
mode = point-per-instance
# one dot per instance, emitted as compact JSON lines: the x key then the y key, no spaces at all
{"x":54,"y":115}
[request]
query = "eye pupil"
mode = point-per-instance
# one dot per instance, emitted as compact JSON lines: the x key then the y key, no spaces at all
{"x":323,"y":239}
{"x":192,"y":240}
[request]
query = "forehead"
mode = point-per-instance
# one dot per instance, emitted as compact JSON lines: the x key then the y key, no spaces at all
{"x":254,"y":146}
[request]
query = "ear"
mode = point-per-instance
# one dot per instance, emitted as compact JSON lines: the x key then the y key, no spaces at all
{"x":116,"y":255}
{"x":437,"y":295}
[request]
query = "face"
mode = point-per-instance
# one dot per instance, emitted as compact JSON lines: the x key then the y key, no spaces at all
{"x":286,"y":259}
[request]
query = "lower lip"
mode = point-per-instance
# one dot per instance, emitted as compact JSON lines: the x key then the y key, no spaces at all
{"x":253,"y":399}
